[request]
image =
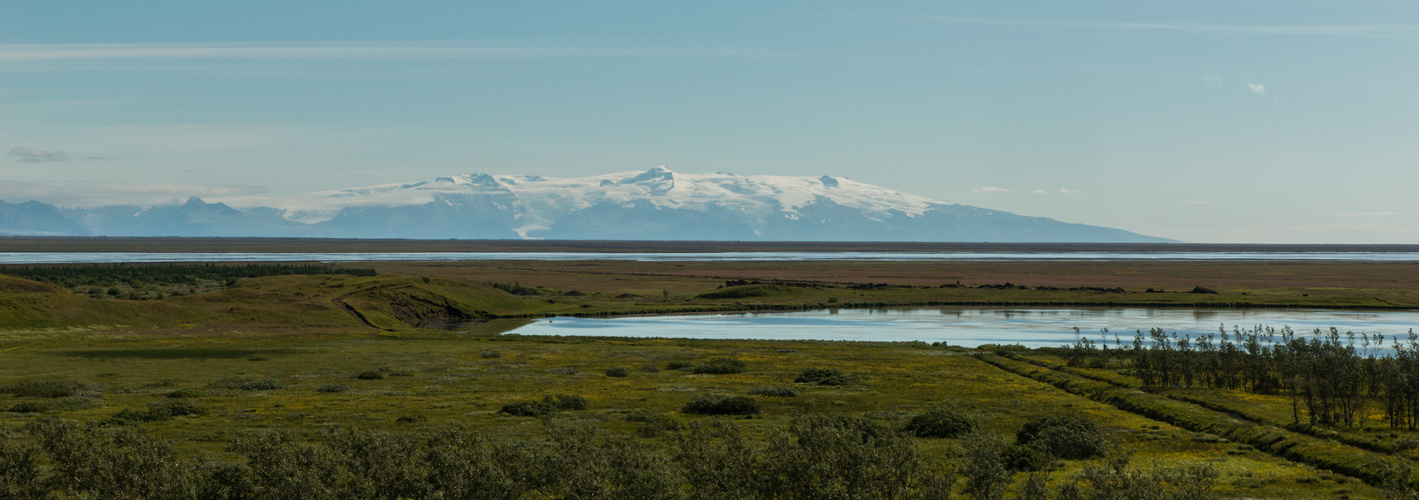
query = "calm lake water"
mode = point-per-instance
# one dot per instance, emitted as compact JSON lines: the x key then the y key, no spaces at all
{"x":971,"y":326}
{"x":117,"y":257}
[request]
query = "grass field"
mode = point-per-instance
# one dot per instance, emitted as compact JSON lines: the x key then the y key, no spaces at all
{"x":307,"y":353}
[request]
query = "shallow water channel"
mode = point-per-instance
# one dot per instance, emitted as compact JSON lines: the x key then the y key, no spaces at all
{"x":972,"y":326}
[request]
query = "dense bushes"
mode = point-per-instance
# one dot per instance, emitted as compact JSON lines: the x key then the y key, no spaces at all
{"x":547,"y":406}
{"x":159,"y":411}
{"x":1064,"y":437}
{"x":942,"y":423}
{"x":248,"y":384}
{"x":711,"y":405}
{"x":774,"y":391}
{"x":42,"y":388}
{"x":814,"y":457}
{"x":824,"y":376}
{"x":720,"y":366}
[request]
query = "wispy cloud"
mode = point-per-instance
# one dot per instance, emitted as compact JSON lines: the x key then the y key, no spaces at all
{"x":992,"y":189}
{"x":1038,"y":191}
{"x":27,"y":155}
{"x":1258,"y":88}
{"x":15,"y":53}
{"x":1366,"y":214}
{"x":1069,"y":191}
{"x":1368,"y":31}
{"x":91,"y":194}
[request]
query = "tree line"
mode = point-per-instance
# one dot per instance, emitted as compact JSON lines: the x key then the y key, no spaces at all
{"x":1329,"y":377}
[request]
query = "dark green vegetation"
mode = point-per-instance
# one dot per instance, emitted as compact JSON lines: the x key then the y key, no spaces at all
{"x":324,"y":386}
{"x":155,"y":281}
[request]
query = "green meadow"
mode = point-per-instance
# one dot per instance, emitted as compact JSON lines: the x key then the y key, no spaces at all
{"x":307,"y":355}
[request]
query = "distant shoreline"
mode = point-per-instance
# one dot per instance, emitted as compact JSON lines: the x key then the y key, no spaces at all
{"x":347,"y":245}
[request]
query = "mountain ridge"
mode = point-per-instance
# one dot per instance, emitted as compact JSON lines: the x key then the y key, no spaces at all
{"x":655,"y":204}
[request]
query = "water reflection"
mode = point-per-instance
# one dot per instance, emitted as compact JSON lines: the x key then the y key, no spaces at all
{"x":972,"y":326}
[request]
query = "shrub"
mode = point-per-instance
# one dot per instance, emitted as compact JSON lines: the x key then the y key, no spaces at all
{"x":776,"y":391}
{"x":824,"y":376}
{"x":942,"y":423}
{"x":649,"y":368}
{"x":27,"y":407}
{"x":720,"y":366}
{"x":248,"y":384}
{"x":1025,"y":458}
{"x":1064,"y":437}
{"x":262,"y":384}
{"x":566,"y":402}
{"x":159,"y":411}
{"x":618,"y":372}
{"x":529,"y":409}
{"x":733,"y":405}
{"x":186,"y":393}
{"x":370,"y":375}
{"x":490,"y":354}
{"x":42,"y":388}
{"x":660,"y":423}
{"x":332,"y":388}
{"x":679,"y":365}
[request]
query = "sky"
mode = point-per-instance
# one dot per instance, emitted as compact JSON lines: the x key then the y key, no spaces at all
{"x":1253,"y":121}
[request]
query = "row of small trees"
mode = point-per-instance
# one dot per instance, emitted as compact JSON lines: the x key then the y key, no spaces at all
{"x":1329,"y":377}
{"x":815,"y":457}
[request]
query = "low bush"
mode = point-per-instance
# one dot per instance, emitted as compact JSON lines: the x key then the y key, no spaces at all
{"x":720,"y":366}
{"x":658,"y":424}
{"x":547,"y":406}
{"x":1021,"y":458}
{"x":776,"y":391}
{"x":529,"y":409}
{"x":679,"y":365}
{"x":942,"y":423}
{"x":1073,"y":438}
{"x":490,"y":354}
{"x":824,"y":376}
{"x":370,"y":375}
{"x":248,"y":384}
{"x":27,"y":407}
{"x":618,"y":372}
{"x":186,"y":393}
{"x":567,"y":402}
{"x":711,"y":405}
{"x":42,"y":388}
{"x":649,"y":368}
{"x":159,"y":411}
{"x":332,"y":388}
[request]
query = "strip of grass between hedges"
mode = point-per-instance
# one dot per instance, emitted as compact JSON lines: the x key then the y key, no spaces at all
{"x":1280,"y":442}
{"x":1309,"y":430}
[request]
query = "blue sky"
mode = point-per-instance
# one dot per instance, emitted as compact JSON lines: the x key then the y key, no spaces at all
{"x":1235,"y":121}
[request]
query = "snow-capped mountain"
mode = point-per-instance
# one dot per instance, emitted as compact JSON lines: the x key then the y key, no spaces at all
{"x":655,"y":204}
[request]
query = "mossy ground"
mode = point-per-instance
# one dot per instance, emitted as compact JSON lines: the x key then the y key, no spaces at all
{"x":442,"y":379}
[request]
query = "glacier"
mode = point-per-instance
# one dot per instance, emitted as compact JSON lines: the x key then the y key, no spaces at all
{"x":654,"y":204}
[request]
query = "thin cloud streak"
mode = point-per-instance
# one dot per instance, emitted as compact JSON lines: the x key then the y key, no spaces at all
{"x":16,"y":53}
{"x":1360,"y":31}
{"x":94,"y":194}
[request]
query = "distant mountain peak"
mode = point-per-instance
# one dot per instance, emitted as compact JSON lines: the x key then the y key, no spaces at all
{"x":652,"y":204}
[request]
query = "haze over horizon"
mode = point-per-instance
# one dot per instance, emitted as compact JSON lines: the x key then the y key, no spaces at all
{"x":1255,"y":122}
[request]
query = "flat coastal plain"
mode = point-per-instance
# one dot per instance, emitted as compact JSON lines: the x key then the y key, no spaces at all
{"x":305,"y":354}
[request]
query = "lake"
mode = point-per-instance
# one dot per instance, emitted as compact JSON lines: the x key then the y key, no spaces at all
{"x":120,"y":257}
{"x":971,"y":326}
